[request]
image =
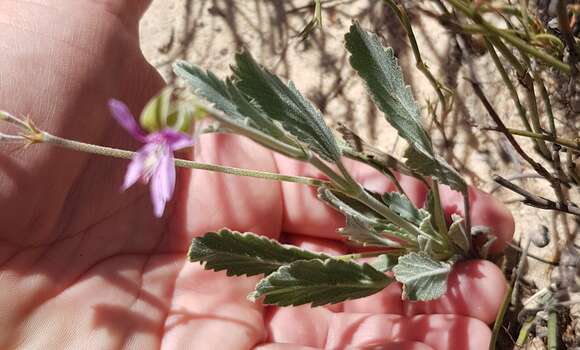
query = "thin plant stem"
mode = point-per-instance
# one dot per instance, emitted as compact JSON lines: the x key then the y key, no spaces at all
{"x":572,"y":168}
{"x":553,"y":330}
{"x":401,"y":13}
{"x":564,"y":23}
{"x":503,"y":129}
{"x":509,"y":84}
{"x":527,"y":82}
{"x":356,"y":256}
{"x":284,"y":145}
{"x":338,"y":180}
{"x":183,"y":163}
{"x":525,"y":331}
{"x":439,"y":215}
{"x":380,"y":208}
{"x":572,"y":145}
{"x":492,"y":31}
{"x":535,"y":200}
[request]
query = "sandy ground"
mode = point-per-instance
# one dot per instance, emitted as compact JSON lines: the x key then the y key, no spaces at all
{"x":209,"y":32}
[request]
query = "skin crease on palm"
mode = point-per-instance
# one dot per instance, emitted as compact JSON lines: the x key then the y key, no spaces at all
{"x":83,"y":266}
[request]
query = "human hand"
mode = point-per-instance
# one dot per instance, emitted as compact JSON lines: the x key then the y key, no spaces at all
{"x":292,"y":213}
{"x":85,"y":266}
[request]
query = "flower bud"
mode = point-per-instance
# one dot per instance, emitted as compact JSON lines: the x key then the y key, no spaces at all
{"x":167,"y":111}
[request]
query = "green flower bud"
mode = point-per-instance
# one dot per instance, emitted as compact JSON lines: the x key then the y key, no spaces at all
{"x":164,"y":110}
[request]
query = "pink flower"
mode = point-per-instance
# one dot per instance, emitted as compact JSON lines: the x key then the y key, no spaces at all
{"x":154,"y":161}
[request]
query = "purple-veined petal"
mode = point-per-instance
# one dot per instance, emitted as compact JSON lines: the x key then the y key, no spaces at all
{"x":136,"y":168}
{"x":163,"y":182}
{"x":125,"y":118}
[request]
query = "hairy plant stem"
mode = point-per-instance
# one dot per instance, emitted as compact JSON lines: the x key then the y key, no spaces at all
{"x":356,"y":256}
{"x":47,"y":138}
{"x":364,"y":197}
{"x":284,"y":145}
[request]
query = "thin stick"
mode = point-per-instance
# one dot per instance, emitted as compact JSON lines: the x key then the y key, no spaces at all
{"x":535,"y":200}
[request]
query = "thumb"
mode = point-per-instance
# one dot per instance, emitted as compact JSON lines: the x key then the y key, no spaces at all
{"x":128,"y":11}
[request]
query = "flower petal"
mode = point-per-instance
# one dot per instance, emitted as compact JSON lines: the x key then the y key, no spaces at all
{"x":136,"y":168}
{"x":124,"y":117}
{"x":176,"y":139}
{"x":163,"y":182}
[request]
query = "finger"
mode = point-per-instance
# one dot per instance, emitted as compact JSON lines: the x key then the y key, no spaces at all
{"x":317,"y":327}
{"x":128,"y":11}
{"x":282,"y":346}
{"x":404,"y":345}
{"x":468,"y":294}
{"x":440,"y":332}
{"x":484,"y":211}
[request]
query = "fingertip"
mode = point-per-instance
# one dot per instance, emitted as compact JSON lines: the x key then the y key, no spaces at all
{"x":399,"y":345}
{"x":475,"y":288}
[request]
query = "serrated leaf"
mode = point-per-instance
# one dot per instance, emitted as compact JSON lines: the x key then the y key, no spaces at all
{"x":404,"y":207}
{"x":361,"y":226}
{"x":284,"y":103}
{"x":457,"y":234}
{"x":379,"y":69}
{"x":434,"y":166}
{"x":244,"y":253}
{"x":423,"y":278}
{"x":226,"y":97}
{"x":319,"y":283}
{"x":384,"y":80}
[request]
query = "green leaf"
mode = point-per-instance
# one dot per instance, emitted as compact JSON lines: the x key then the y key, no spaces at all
{"x":384,"y":80}
{"x":423,"y":278}
{"x":244,"y":253}
{"x":404,"y":207}
{"x":385,"y":262}
{"x":227,"y":98}
{"x":434,"y":166}
{"x":285,"y":104}
{"x":457,"y":234}
{"x":379,"y":69}
{"x":320,"y":283}
{"x":362,"y":226}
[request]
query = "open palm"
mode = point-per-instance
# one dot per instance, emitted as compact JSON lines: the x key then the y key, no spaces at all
{"x":84,"y":266}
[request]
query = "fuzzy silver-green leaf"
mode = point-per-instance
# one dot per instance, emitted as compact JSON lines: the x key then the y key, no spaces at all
{"x":244,"y":253}
{"x":384,"y":80}
{"x":423,"y":278}
{"x":284,"y":103}
{"x":319,"y":282}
